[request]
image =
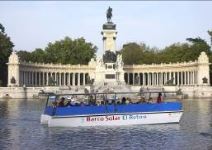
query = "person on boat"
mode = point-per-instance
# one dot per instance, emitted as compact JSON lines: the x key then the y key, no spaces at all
{"x":159,"y":98}
{"x":150,"y":100}
{"x":123,"y":101}
{"x":73,"y":101}
{"x":61,"y":103}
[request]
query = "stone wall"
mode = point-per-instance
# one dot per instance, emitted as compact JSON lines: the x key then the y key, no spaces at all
{"x":32,"y":92}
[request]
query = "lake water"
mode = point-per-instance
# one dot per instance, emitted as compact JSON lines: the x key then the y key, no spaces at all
{"x":20,"y":129}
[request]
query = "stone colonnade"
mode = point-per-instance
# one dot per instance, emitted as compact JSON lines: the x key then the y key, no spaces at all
{"x":35,"y":74}
{"x":162,"y":74}
{"x":161,"y":78}
{"x":57,"y":75}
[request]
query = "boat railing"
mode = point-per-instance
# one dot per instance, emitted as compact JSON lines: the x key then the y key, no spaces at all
{"x":107,"y":97}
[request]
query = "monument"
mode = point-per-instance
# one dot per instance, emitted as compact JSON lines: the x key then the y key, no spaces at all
{"x":109,"y":67}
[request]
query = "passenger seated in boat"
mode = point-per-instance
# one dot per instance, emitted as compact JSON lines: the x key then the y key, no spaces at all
{"x":74,"y":102}
{"x":102,"y":102}
{"x":150,"y":100}
{"x":61,"y":103}
{"x":143,"y":100}
{"x":54,"y":103}
{"x":98,"y":102}
{"x":118,"y":102}
{"x":123,"y":101}
{"x":159,"y":98}
{"x":106,"y":102}
{"x":128,"y":101}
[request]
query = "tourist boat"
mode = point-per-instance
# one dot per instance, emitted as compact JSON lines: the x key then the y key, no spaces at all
{"x":108,"y":112}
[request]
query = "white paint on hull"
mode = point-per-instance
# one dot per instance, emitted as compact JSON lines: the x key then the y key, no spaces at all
{"x":44,"y":119}
{"x":112,"y":120}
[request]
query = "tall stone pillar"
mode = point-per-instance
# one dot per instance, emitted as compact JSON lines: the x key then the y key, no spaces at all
{"x":109,"y":36}
{"x":78,"y":81}
{"x":144,"y":79}
{"x":60,"y":79}
{"x":174,"y":76}
{"x":128,"y":78}
{"x":203,"y":77}
{"x":13,"y":70}
{"x":83,"y":78}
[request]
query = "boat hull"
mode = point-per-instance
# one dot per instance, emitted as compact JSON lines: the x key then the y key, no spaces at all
{"x":112,"y":119}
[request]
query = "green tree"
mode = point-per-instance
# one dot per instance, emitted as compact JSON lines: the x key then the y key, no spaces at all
{"x":38,"y":55}
{"x":68,"y":51}
{"x":134,"y":53}
{"x":131,"y":53}
{"x":24,"y":56}
{"x":177,"y":52}
{"x":197,"y":46}
{"x":5,"y":50}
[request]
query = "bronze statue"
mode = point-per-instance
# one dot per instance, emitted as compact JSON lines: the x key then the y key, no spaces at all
{"x":109,"y":14}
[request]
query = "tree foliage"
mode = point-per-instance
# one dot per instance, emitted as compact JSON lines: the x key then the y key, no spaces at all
{"x":24,"y":55}
{"x":134,"y":53}
{"x":66,"y":51}
{"x":5,"y":50}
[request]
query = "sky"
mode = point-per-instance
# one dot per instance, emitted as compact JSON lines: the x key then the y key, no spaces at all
{"x":33,"y":24}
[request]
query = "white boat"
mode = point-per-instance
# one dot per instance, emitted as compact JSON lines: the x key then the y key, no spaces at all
{"x":113,"y":114}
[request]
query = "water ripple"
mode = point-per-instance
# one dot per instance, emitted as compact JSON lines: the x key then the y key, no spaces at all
{"x":21,"y":130}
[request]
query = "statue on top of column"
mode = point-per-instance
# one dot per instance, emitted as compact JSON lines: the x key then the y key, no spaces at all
{"x":109,"y":14}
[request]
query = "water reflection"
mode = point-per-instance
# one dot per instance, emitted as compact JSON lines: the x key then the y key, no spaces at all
{"x":21,"y":129}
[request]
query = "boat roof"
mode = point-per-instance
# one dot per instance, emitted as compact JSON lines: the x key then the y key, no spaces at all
{"x":108,"y":93}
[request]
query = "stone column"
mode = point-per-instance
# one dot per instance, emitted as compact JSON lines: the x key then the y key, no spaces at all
{"x":158,"y":79}
{"x":139,"y":79}
{"x":153,"y":79}
{"x":133,"y":77}
{"x":63,"y":79}
{"x":60,"y":79}
{"x":83,"y":78}
{"x":68,"y":79}
{"x":128,"y":78}
{"x":164,"y":78}
{"x":47,"y":78}
{"x":186,"y":77}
